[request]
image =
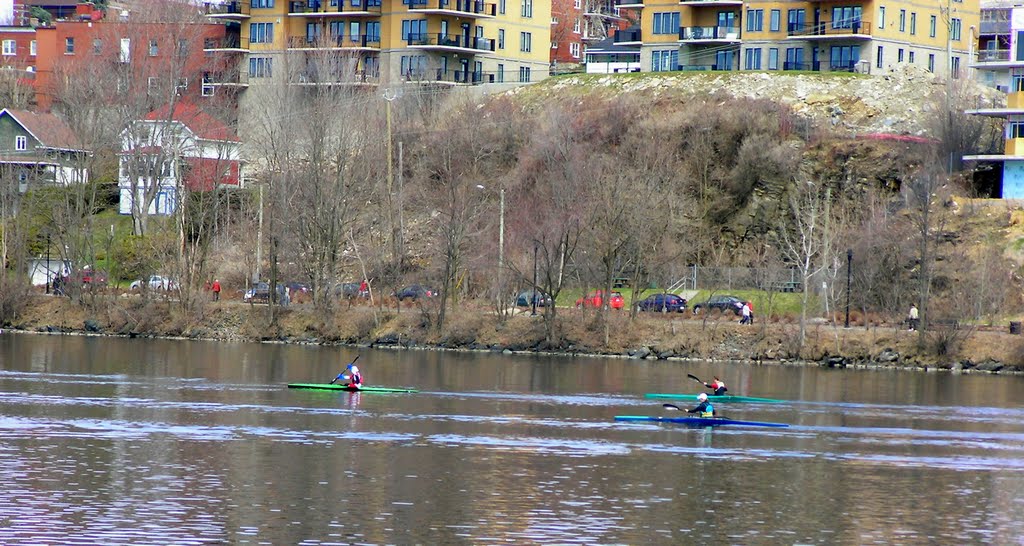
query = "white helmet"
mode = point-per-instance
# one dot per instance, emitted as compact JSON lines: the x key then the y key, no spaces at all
{"x":702,"y":397}
{"x":355,"y":369}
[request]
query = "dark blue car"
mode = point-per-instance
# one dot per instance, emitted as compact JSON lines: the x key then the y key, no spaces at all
{"x":665,"y":303}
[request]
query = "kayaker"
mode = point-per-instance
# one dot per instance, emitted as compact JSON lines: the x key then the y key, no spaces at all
{"x":704,"y":408}
{"x":717,"y":385}
{"x":353,"y":374}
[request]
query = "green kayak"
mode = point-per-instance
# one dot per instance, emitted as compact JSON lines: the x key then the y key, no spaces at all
{"x":713,"y":398}
{"x":337,"y":387}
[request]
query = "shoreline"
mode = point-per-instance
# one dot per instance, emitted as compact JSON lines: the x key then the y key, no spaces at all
{"x":677,"y":339}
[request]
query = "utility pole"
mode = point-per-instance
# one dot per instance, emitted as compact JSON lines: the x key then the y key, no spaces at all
{"x":534,"y":298}
{"x":849,"y":263}
{"x":501,"y":251}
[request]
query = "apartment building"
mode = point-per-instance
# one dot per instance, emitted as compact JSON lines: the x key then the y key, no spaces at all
{"x":384,"y":41}
{"x":871,"y":36}
{"x":1000,"y":62}
{"x":577,"y":25}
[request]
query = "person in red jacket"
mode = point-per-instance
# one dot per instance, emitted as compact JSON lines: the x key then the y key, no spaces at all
{"x":717,"y":385}
{"x":216,"y":290}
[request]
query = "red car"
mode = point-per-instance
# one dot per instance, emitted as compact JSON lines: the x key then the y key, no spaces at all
{"x":596,"y":299}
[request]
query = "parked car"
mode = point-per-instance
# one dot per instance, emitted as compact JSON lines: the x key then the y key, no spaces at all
{"x":666,"y":303}
{"x":88,"y":277}
{"x":347,"y":290}
{"x":527,"y":297}
{"x":721,"y":303}
{"x":415,"y":292}
{"x":260,"y":293}
{"x":596,"y":299}
{"x":154,"y":282}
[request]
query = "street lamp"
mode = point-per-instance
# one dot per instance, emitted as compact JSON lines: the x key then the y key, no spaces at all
{"x":535,"y":295}
{"x":501,"y":240}
{"x":849,"y":268}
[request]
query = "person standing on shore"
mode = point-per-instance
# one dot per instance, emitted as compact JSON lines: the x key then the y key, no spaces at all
{"x":216,"y":289}
{"x":912,"y":317}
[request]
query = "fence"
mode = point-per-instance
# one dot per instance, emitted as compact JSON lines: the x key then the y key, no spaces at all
{"x":698,"y":277}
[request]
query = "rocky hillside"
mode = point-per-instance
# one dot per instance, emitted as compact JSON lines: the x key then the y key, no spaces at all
{"x":894,"y":103}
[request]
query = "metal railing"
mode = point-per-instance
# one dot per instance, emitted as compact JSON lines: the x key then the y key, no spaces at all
{"x":709,"y":33}
{"x":852,"y":27}
{"x":451,"y":40}
{"x":229,"y":8}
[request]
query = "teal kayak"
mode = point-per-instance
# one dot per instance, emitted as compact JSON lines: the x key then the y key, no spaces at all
{"x":713,"y":398}
{"x":698,"y":421}
{"x":338,"y":387}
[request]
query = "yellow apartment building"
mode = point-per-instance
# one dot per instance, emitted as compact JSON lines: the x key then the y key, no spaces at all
{"x":455,"y":42}
{"x":870,"y":36}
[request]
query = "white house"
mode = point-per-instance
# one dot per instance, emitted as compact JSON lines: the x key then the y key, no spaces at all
{"x":172,"y":150}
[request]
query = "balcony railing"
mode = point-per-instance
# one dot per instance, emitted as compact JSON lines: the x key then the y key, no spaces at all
{"x":451,"y":40}
{"x":228,"y":42}
{"x":709,"y":33}
{"x":229,"y":8}
{"x":628,"y":35}
{"x":233,"y":77}
{"x":312,"y":7}
{"x":469,"y":7}
{"x":313,"y":42}
{"x":993,"y":55}
{"x":793,"y":65}
{"x":319,"y":77}
{"x":450,"y":76}
{"x":995,"y":27}
{"x":698,"y":67}
{"x":621,"y":3}
{"x":852,"y":27}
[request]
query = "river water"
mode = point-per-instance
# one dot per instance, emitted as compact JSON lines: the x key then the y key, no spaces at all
{"x":132,"y":441}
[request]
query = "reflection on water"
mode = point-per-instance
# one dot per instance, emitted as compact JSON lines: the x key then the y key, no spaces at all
{"x":142,"y":441}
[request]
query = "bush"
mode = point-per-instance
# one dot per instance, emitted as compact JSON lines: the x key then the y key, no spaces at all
{"x":14,"y":298}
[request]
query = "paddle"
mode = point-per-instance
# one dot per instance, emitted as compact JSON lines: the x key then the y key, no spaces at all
{"x":695,"y":378}
{"x":349,"y":366}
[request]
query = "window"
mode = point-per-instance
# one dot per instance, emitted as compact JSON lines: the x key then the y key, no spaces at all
{"x":666,"y":23}
{"x":844,"y":57}
{"x":414,"y":66}
{"x":846,"y":17}
{"x":1015,"y":129}
{"x":182,"y":50}
{"x":931,"y":27}
{"x":931,"y":62}
{"x":954,"y":29}
{"x":414,"y":30}
{"x":881,"y":17}
{"x":501,"y":73}
{"x":10,"y":47}
{"x":208,"y":87}
{"x":69,"y":46}
{"x":262,"y":3}
{"x":153,"y":48}
{"x":97,"y":46}
{"x":526,"y":8}
{"x":910,"y":57}
{"x":574,"y":49}
{"x":576,"y":26}
{"x":755,"y":20}
{"x":524,"y":73}
{"x":903,"y":20}
{"x":32,"y":48}
{"x":664,"y":61}
{"x":956,"y":68}
{"x":151,"y":84}
{"x":794,"y":58}
{"x":773,"y":59}
{"x":181,"y":86}
{"x":126,"y":50}
{"x":260,"y":67}
{"x":261,"y":33}
{"x":576,"y":4}
{"x":752,"y":59}
{"x":501,"y":7}
{"x":899,"y":55}
{"x":776,"y":20}
{"x":501,"y":38}
{"x":795,"y":20}
{"x":878,"y":58}
{"x":21,"y":143}
{"x":913,"y":23}
{"x":525,"y":41}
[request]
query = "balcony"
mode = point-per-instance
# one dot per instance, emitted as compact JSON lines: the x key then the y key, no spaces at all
{"x":825,"y":30}
{"x":229,"y":10}
{"x":718,"y":3}
{"x":313,"y":77}
{"x":629,"y":3}
{"x":228,"y":43}
{"x":322,"y":8}
{"x":699,"y":67}
{"x":359,"y":41}
{"x":709,"y":34}
{"x":236,"y":78}
{"x":995,"y":27}
{"x":455,"y":8}
{"x":628,"y":36}
{"x":450,"y":42}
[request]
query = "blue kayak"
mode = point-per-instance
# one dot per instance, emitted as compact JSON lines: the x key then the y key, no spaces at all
{"x":697,"y":421}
